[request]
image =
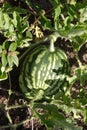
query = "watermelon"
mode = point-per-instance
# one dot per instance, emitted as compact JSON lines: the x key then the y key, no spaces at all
{"x":43,"y":72}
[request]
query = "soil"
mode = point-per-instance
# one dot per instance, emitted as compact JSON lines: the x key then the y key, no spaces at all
{"x":16,"y":98}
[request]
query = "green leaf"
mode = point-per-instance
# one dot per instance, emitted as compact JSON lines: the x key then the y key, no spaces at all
{"x":1,"y":19}
{"x":5,"y":45}
{"x":83,"y":14}
{"x":19,"y":10}
{"x":10,"y":60}
{"x":57,"y":12}
{"x":77,"y":30}
{"x":46,"y":23}
{"x":0,"y":49}
{"x":3,"y":76}
{"x":81,"y":74}
{"x":55,"y":2}
{"x":13,"y":46}
{"x":73,"y":2}
{"x":52,"y":118}
{"x":29,"y":35}
{"x":4,"y":59}
{"x":72,"y":12}
{"x":15,"y":60}
{"x":7,"y":8}
{"x":24,"y":28}
{"x":11,"y":29}
{"x":16,"y":18}
{"x":6,"y":21}
{"x":2,"y":69}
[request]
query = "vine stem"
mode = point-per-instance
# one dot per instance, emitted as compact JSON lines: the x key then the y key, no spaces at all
{"x":9,"y":92}
{"x":52,"y":47}
{"x":52,"y":38}
{"x":15,"y":107}
{"x":14,"y":92}
{"x":78,"y":60}
{"x":15,"y":125}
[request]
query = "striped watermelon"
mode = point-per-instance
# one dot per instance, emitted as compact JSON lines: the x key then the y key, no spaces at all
{"x":43,"y":73}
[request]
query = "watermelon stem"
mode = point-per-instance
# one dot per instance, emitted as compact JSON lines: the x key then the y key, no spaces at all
{"x":53,"y":39}
{"x":52,"y":47}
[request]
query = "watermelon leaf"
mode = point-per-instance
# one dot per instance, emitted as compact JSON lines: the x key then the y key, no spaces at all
{"x":52,"y":118}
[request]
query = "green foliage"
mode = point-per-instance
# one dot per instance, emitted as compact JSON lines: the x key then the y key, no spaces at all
{"x":81,"y":73}
{"x":14,"y":30}
{"x":66,"y":20}
{"x":52,"y":118}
